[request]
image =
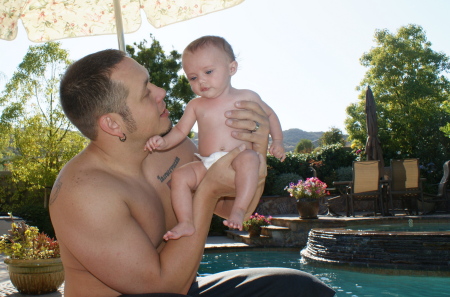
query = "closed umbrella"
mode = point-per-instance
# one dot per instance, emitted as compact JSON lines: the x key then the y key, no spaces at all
{"x":53,"y":20}
{"x":373,"y":146}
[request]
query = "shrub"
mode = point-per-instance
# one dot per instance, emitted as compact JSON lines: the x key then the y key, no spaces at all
{"x":35,"y":215}
{"x":326,"y":161}
{"x":294,"y":163}
{"x":344,"y":173}
{"x":217,"y":227}
{"x":25,"y":242}
{"x":282,"y":181}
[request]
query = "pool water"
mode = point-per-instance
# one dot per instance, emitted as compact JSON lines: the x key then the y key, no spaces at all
{"x":345,"y":283}
{"x":411,"y":226}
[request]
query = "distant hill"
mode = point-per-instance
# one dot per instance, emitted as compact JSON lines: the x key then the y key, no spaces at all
{"x":291,"y":138}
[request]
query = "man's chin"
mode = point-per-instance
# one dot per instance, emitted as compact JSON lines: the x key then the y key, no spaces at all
{"x":168,"y":130}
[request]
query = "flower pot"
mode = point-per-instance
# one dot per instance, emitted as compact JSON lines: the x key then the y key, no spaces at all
{"x":39,"y":276}
{"x":255,"y":232}
{"x":308,"y":209}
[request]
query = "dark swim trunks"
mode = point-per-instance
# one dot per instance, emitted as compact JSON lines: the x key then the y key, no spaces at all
{"x":255,"y":282}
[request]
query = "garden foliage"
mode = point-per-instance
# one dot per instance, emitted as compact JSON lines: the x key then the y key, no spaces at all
{"x":326,"y":161}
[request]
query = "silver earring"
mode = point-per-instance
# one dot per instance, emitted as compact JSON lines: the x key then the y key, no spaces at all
{"x":123,"y":138}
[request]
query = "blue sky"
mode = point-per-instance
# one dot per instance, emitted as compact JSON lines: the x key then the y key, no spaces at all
{"x":302,"y":57}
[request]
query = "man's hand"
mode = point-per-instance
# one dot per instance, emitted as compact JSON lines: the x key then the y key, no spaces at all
{"x":249,"y":116}
{"x":221,"y":175}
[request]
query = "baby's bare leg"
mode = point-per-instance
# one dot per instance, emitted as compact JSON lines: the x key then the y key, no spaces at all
{"x":184,"y":180}
{"x":246,"y":165}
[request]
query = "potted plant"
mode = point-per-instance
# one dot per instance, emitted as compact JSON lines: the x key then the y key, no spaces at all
{"x":307,"y":193}
{"x":34,"y":262}
{"x":254,"y":224}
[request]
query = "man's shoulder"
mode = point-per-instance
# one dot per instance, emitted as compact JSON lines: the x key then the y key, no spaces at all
{"x":82,"y":179}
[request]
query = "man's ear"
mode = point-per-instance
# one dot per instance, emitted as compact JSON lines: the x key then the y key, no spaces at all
{"x":233,"y":67}
{"x":110,"y":123}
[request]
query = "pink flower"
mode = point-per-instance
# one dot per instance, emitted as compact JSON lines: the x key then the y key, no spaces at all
{"x":311,"y":188}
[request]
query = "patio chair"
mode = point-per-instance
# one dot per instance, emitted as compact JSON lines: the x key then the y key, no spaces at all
{"x":405,"y":184}
{"x":443,"y":193}
{"x":365,"y":185}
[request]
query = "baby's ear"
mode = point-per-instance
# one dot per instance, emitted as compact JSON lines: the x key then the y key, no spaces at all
{"x":233,"y":67}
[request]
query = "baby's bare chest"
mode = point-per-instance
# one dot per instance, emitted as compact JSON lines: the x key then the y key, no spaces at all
{"x":213,"y":133}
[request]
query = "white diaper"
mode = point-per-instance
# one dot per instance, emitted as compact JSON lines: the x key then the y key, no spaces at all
{"x":208,"y":161}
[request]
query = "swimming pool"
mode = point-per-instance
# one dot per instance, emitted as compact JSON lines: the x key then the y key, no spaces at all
{"x":410,"y":226}
{"x":409,"y":246}
{"x":346,"y":283}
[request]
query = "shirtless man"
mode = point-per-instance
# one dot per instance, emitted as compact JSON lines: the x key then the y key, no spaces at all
{"x":110,"y":205}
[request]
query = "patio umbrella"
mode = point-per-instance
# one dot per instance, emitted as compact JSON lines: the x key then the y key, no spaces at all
{"x":373,"y":146}
{"x":52,"y":20}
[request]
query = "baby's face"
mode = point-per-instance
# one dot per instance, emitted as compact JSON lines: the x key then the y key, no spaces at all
{"x":209,"y":71}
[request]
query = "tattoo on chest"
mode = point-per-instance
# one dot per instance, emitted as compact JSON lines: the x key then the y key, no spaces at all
{"x":170,"y":170}
{"x":56,"y":189}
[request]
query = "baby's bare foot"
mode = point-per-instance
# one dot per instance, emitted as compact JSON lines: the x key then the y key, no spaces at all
{"x":180,"y":230}
{"x":232,"y":224}
{"x":235,"y":220}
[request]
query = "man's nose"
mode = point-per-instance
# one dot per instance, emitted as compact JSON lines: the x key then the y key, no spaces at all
{"x":161,"y":94}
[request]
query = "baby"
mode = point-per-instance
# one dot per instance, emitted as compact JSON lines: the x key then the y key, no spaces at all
{"x":209,"y":64}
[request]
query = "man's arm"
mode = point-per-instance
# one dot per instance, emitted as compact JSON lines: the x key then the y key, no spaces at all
{"x":218,"y":182}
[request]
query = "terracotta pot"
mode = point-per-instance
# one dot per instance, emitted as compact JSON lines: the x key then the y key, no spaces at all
{"x":256,"y":232}
{"x":308,"y":209}
{"x":36,"y":276}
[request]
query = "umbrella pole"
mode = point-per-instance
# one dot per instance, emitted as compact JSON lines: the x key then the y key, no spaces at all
{"x":119,"y":25}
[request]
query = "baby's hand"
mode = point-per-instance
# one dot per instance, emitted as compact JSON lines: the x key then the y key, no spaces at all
{"x":154,"y":143}
{"x":277,"y":150}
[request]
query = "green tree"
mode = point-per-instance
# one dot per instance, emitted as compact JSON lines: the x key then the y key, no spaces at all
{"x":42,"y":139}
{"x":164,"y":71}
{"x":332,"y":137}
{"x":408,"y":82}
{"x":446,"y":128}
{"x":304,"y":146}
{"x":4,"y":141}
